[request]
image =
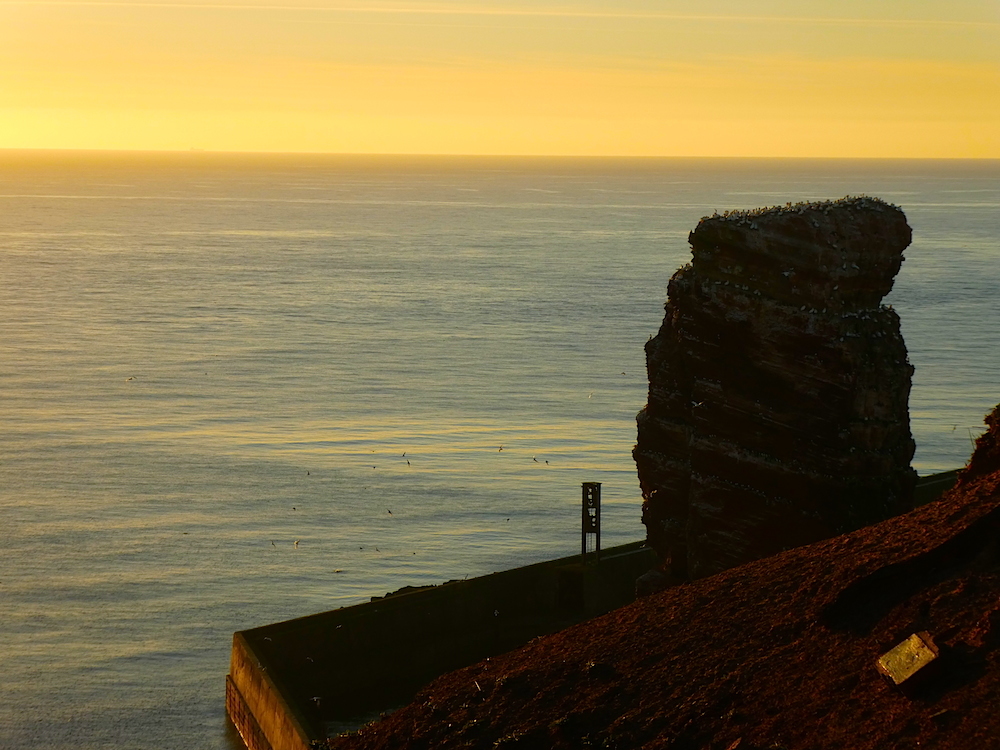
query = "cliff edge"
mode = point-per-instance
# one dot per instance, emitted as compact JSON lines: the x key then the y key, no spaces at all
{"x":777,"y":654}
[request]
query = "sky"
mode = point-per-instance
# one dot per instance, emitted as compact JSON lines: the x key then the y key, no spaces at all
{"x":878,"y":78}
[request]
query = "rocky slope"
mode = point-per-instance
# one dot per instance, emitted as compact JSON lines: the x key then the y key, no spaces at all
{"x":778,"y":386}
{"x":778,"y":654}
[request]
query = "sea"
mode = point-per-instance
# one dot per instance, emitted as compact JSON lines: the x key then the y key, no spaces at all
{"x":238,"y":389}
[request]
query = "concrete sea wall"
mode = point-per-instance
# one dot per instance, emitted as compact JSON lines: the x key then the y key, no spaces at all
{"x":302,"y":680}
{"x":295,"y":682}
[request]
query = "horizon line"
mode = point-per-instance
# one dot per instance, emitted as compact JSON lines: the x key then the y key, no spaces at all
{"x":8,"y":150}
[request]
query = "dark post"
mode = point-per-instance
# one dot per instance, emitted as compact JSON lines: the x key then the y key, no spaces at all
{"x":591,"y":518}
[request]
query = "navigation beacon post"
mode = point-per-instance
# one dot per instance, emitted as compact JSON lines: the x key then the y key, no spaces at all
{"x":591,"y":519}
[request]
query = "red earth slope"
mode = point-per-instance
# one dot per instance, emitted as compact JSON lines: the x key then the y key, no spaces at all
{"x":776,"y":654}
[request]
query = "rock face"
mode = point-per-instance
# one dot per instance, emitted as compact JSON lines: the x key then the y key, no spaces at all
{"x":778,"y":386}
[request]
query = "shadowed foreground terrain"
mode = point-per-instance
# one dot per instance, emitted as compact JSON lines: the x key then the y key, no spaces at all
{"x":778,"y":653}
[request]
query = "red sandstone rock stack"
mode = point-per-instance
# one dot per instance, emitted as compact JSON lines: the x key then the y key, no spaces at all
{"x":778,"y":386}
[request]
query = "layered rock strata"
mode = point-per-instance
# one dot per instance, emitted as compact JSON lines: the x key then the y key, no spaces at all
{"x":778,"y":386}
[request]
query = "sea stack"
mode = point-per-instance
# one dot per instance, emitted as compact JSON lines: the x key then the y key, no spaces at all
{"x":778,"y":386}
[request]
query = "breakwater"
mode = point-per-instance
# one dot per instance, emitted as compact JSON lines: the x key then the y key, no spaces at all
{"x":294,"y":682}
{"x":297,"y":681}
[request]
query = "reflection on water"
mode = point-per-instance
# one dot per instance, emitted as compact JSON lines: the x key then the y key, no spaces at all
{"x":219,"y":377}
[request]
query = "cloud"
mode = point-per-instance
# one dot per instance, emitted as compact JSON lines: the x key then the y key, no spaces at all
{"x":560,"y":12}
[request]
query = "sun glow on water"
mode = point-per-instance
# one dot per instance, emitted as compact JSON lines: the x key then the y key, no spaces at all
{"x":201,"y":369}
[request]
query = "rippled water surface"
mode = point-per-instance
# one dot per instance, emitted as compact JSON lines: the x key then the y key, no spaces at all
{"x":206,"y":359}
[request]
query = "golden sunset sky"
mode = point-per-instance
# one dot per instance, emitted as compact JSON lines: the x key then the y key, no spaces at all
{"x":879,"y":78}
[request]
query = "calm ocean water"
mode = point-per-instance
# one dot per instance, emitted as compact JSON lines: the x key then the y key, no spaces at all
{"x":211,"y":369}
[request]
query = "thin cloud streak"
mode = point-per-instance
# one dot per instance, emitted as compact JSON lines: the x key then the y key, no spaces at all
{"x":555,"y":13}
